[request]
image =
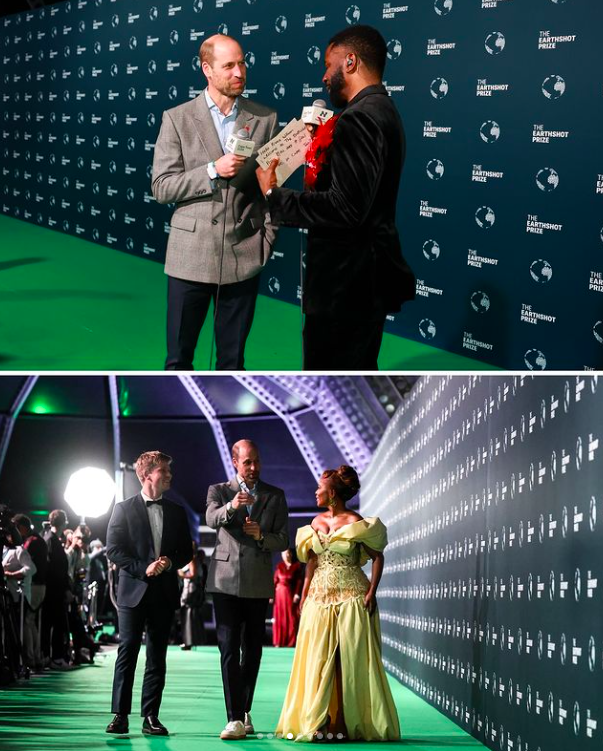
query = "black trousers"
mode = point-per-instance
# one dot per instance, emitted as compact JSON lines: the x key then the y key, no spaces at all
{"x":155,"y":616}
{"x":55,"y":628}
{"x":241,"y":624}
{"x":188,"y":303}
{"x":331,"y":344}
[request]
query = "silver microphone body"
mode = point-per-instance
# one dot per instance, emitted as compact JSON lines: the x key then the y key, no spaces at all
{"x":240,"y":144}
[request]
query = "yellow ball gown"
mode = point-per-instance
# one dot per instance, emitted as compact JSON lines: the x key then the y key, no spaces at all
{"x":339,"y":641}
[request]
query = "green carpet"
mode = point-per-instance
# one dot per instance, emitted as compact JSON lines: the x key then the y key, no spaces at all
{"x":69,"y":304}
{"x":65,"y":711}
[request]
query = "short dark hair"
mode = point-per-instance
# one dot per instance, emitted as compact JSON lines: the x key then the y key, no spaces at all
{"x":366,"y":42}
{"x":57,"y":517}
{"x":21,"y":520}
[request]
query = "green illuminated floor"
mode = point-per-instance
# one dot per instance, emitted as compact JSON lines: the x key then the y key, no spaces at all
{"x":65,"y":711}
{"x":68,"y":304}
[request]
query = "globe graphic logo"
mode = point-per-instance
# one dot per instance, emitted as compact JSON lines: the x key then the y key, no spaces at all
{"x":130,"y":194}
{"x":278,"y":90}
{"x":547,"y":179}
{"x":352,"y":14}
{"x":131,"y":144}
{"x":112,"y":215}
{"x":131,"y":93}
{"x":281,"y":24}
{"x":439,"y":88}
{"x":66,"y":225}
{"x":427,"y":328}
{"x":174,"y":37}
{"x":553,"y":87}
{"x":490,"y":131}
{"x":250,"y":59}
{"x":66,"y":96}
{"x":80,"y":162}
{"x":535,"y":359}
{"x":67,"y":8}
{"x":112,"y":167}
{"x":115,"y":20}
{"x":95,"y":188}
{"x":96,"y":142}
{"x":151,"y":119}
{"x":81,"y":118}
{"x":98,"y":47}
{"x":541,"y":271}
{"x":133,"y":43}
{"x":81,"y":26}
{"x":480,"y":302}
{"x":152,"y":67}
{"x":173,"y":92}
{"x":149,"y":223}
{"x":54,"y":32}
{"x":442,"y":7}
{"x":274,"y":285}
{"x":114,"y":69}
{"x":485,"y":217}
{"x":435,"y":169}
{"x":598,"y":331}
{"x":195,"y":63}
{"x":394,"y":49}
{"x":495,"y":43}
{"x":223,"y":29}
{"x":153,"y":13}
{"x":576,"y":719}
{"x":95,"y":234}
{"x":431,"y":250}
{"x":558,"y":2}
{"x":80,"y":207}
{"x":96,"y":95}
{"x":251,"y":2}
{"x":130,"y":243}
{"x":98,"y":3}
{"x":313,"y":55}
{"x":198,"y":6}
{"x":39,"y":218}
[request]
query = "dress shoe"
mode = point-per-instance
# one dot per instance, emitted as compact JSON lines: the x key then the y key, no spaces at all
{"x":248,"y":724}
{"x":119,"y":724}
{"x":234,"y":731}
{"x":152,"y":726}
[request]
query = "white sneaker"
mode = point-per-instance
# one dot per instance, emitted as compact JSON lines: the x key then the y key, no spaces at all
{"x":233,"y":731}
{"x":249,"y":729}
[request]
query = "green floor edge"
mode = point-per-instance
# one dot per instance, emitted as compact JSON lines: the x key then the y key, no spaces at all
{"x":69,"y":711}
{"x":70,"y":304}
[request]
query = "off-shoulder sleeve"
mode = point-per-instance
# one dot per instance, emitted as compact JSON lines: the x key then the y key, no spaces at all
{"x":303,"y":542}
{"x":373,"y":534}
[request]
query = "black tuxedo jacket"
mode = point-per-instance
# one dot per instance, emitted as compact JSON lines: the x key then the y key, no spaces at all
{"x":354,"y":264}
{"x":130,"y":547}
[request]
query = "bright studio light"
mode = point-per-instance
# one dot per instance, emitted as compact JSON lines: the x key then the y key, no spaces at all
{"x":90,"y":492}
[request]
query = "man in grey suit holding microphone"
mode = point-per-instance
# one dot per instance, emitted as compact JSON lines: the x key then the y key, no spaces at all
{"x":250,"y":517}
{"x":221,"y":235}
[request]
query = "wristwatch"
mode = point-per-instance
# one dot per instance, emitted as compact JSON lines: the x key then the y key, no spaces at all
{"x":212,"y":171}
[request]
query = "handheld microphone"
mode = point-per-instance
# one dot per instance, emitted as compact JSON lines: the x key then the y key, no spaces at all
{"x":240,"y":144}
{"x":317,"y":113}
{"x":244,"y":488}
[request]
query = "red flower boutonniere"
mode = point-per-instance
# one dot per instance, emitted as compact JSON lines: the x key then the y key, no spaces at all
{"x":316,"y":155}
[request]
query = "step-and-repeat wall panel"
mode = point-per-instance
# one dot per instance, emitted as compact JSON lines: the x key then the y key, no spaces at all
{"x":500,"y":207}
{"x":491,"y":601}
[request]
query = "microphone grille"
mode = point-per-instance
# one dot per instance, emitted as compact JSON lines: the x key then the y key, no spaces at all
{"x":319,"y":103}
{"x":243,"y":134}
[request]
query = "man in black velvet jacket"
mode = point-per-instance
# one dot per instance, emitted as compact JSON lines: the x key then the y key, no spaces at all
{"x":355,"y":271}
{"x":148,"y":538}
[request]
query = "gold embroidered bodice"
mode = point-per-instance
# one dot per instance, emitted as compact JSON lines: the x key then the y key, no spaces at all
{"x":338,"y":576}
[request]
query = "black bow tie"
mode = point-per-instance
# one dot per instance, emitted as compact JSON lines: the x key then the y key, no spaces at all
{"x":159,"y":502}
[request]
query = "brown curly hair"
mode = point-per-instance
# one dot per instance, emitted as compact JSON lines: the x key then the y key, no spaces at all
{"x":344,"y":481}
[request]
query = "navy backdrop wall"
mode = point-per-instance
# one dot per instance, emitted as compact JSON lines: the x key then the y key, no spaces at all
{"x":491,"y":601}
{"x":500,"y":208}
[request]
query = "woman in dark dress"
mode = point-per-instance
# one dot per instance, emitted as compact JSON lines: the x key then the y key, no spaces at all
{"x":288,"y":582}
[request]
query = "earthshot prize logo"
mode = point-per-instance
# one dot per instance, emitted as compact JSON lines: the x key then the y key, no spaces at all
{"x":495,"y":43}
{"x":427,"y":328}
{"x":547,"y":179}
{"x":352,"y":14}
{"x":442,"y":7}
{"x":553,"y":87}
{"x":435,"y":169}
{"x":438,"y":88}
{"x":541,"y":271}
{"x":490,"y":131}
{"x":431,"y":250}
{"x":485,"y":217}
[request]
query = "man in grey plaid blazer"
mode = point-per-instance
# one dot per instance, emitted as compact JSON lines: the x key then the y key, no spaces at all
{"x":221,"y":235}
{"x":251,"y":520}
